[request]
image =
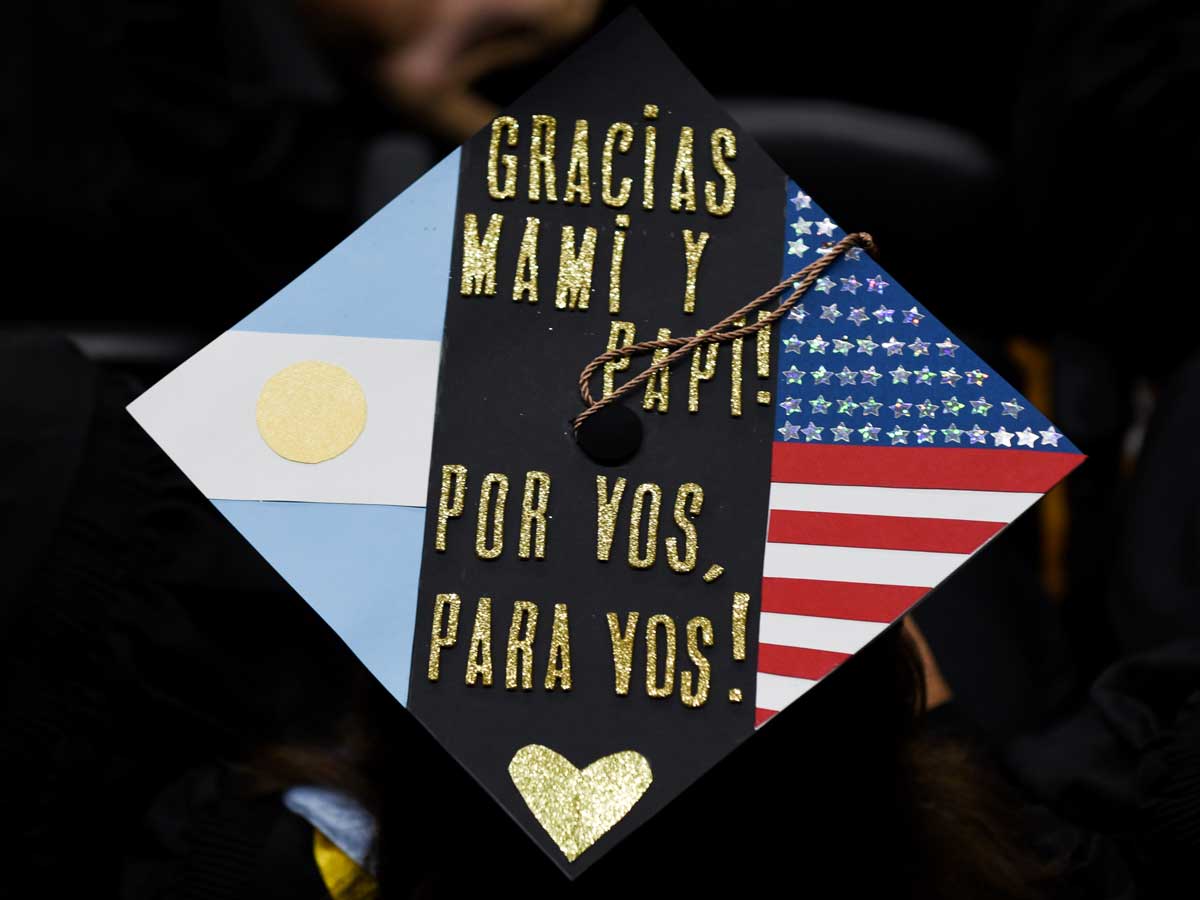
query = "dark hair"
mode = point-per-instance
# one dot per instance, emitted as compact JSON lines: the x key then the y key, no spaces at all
{"x":846,"y":791}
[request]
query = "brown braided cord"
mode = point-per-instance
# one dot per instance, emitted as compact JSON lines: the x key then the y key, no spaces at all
{"x":716,"y":334}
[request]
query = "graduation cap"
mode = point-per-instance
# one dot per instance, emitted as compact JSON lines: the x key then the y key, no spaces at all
{"x":588,"y":622}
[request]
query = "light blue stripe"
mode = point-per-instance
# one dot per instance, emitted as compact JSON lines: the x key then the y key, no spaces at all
{"x":336,"y":815}
{"x":356,"y":565}
{"x":386,"y":280}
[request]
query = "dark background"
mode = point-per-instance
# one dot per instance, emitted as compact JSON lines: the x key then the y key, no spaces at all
{"x":168,"y":166}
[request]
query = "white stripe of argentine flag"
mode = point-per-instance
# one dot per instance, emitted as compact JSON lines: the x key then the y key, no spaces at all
{"x":203,"y":415}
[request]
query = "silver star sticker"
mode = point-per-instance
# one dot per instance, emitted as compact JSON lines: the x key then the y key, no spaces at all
{"x":1051,"y":437}
{"x":946,"y":347}
{"x":1011,"y":407}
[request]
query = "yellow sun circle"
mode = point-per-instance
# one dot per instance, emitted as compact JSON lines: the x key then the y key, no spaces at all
{"x":311,"y":411}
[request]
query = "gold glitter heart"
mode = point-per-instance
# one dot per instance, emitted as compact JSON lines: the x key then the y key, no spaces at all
{"x":576,"y":808}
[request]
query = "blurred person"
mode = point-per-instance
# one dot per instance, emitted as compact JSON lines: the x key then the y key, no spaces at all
{"x":428,"y":56}
{"x":192,"y":159}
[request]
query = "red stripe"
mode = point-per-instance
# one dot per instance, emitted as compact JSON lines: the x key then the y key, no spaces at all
{"x":838,"y":599}
{"x":798,"y":662}
{"x":879,"y":532}
{"x":761,"y":715}
{"x":964,"y":469}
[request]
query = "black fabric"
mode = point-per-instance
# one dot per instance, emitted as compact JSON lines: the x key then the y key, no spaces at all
{"x":145,"y":638}
{"x":1127,"y":763}
{"x":1105,"y":148}
{"x":1155,"y":592}
{"x":209,"y":837}
{"x":190,"y":158}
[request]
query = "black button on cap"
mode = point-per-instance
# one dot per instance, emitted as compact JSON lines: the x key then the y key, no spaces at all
{"x":611,"y":435}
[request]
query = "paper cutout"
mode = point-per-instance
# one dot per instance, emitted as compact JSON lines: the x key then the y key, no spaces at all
{"x":203,"y":415}
{"x":833,"y":502}
{"x":311,"y":411}
{"x":578,"y":807}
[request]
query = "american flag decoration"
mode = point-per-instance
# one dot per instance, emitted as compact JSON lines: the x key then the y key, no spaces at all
{"x":898,"y":453}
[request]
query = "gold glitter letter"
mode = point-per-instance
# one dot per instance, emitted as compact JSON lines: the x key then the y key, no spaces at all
{"x":454,"y":481}
{"x":533,"y":515}
{"x":526,"y":280}
{"x":701,"y":628}
{"x":704,"y":367}
{"x":482,"y":550}
{"x":509,"y":126}
{"x":683,"y":182}
{"x":541,"y":158}
{"x":668,"y":683}
{"x":658,"y":385}
{"x":622,"y":647}
{"x":619,"y":199}
{"x":575,"y":269}
{"x":649,"y":112}
{"x":558,"y":669}
{"x":695,"y":494}
{"x":741,"y":603}
{"x":693,"y":249}
{"x":479,"y":657}
{"x":524,"y":613}
{"x":618,"y":260}
{"x":479,"y":257}
{"x":620,"y":334}
{"x":636,"y":560}
{"x":735,"y":372}
{"x":724,"y":146}
{"x":438,"y":639}
{"x":606,"y":514}
{"x":579,"y":182}
{"x":762,"y":346}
